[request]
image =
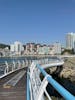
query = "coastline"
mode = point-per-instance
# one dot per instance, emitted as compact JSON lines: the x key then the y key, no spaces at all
{"x":38,"y":56}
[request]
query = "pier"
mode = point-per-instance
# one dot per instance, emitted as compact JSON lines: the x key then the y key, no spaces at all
{"x":21,"y":80}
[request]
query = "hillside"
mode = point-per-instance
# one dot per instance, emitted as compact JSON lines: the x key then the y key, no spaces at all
{"x":4,"y":45}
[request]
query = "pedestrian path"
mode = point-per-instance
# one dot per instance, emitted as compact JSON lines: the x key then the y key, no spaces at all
{"x":14,"y":92}
{"x":14,"y":80}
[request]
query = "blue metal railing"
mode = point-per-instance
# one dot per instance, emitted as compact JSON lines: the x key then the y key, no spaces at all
{"x":28,"y":89}
{"x":60,"y":89}
{"x":64,"y":93}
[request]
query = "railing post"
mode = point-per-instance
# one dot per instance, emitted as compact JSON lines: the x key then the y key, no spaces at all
{"x":7,"y":67}
{"x":5,"y":71}
{"x":14,"y":65}
{"x":26,"y":62}
{"x":19,"y":64}
{"x":23,"y":63}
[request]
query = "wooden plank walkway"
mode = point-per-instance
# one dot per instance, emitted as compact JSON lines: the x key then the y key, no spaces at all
{"x":17,"y":92}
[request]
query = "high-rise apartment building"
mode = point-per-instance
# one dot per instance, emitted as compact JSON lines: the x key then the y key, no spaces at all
{"x":12,"y":48}
{"x":57,"y":48}
{"x":70,"y":39}
{"x":17,"y":47}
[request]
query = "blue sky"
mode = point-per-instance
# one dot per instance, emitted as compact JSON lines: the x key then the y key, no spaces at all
{"x":40,"y":21}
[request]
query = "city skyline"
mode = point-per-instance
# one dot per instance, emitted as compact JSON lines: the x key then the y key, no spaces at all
{"x":36,"y":21}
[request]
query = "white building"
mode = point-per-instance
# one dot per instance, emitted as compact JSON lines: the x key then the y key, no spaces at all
{"x":17,"y":47}
{"x":57,"y":48}
{"x":43,"y":50}
{"x":70,"y":39}
{"x":74,"y":47}
{"x":12,"y":48}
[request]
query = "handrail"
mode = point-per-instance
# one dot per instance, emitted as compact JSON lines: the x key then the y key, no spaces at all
{"x":28,"y":90}
{"x":64,"y":93}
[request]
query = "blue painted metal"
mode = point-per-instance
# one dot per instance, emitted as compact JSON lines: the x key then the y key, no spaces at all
{"x":28,"y":89}
{"x":61,"y":90}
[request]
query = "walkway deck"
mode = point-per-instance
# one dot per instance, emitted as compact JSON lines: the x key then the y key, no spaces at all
{"x":17,"y":92}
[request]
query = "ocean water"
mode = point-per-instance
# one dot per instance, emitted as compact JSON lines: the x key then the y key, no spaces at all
{"x":9,"y":59}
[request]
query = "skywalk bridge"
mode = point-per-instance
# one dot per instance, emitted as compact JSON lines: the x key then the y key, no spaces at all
{"x":21,"y":80}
